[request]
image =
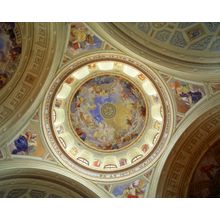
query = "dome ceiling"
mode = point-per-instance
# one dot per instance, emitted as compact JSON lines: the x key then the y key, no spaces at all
{"x":108,"y":112}
{"x":184,"y":50}
{"x":179,"y":40}
{"x":105,"y":107}
{"x":90,"y":102}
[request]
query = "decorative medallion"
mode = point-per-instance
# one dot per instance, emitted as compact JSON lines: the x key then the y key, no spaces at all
{"x":104,"y":117}
{"x":108,"y":110}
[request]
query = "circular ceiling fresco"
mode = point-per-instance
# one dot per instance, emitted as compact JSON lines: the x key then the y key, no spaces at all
{"x":108,"y":112}
{"x":10,"y":51}
{"x":104,"y":116}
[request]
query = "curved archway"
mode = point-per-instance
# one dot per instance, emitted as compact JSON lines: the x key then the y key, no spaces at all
{"x":40,"y":58}
{"x":43,"y":179}
{"x":188,"y":145}
{"x":137,"y":43}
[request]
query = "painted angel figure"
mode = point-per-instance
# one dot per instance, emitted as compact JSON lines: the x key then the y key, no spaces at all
{"x":25,"y":144}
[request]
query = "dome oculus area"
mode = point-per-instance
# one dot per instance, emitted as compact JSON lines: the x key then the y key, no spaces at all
{"x":108,"y":112}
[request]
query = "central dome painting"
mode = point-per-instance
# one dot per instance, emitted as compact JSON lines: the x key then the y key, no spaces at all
{"x":108,"y":112}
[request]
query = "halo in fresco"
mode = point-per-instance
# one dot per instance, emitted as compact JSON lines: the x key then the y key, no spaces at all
{"x":108,"y":112}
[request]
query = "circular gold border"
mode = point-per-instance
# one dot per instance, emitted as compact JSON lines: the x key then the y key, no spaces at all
{"x":69,"y":72}
{"x":106,"y":74}
{"x":124,"y":172}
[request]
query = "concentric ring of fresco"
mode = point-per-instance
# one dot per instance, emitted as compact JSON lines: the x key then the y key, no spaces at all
{"x":89,"y":102}
{"x":108,"y":112}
